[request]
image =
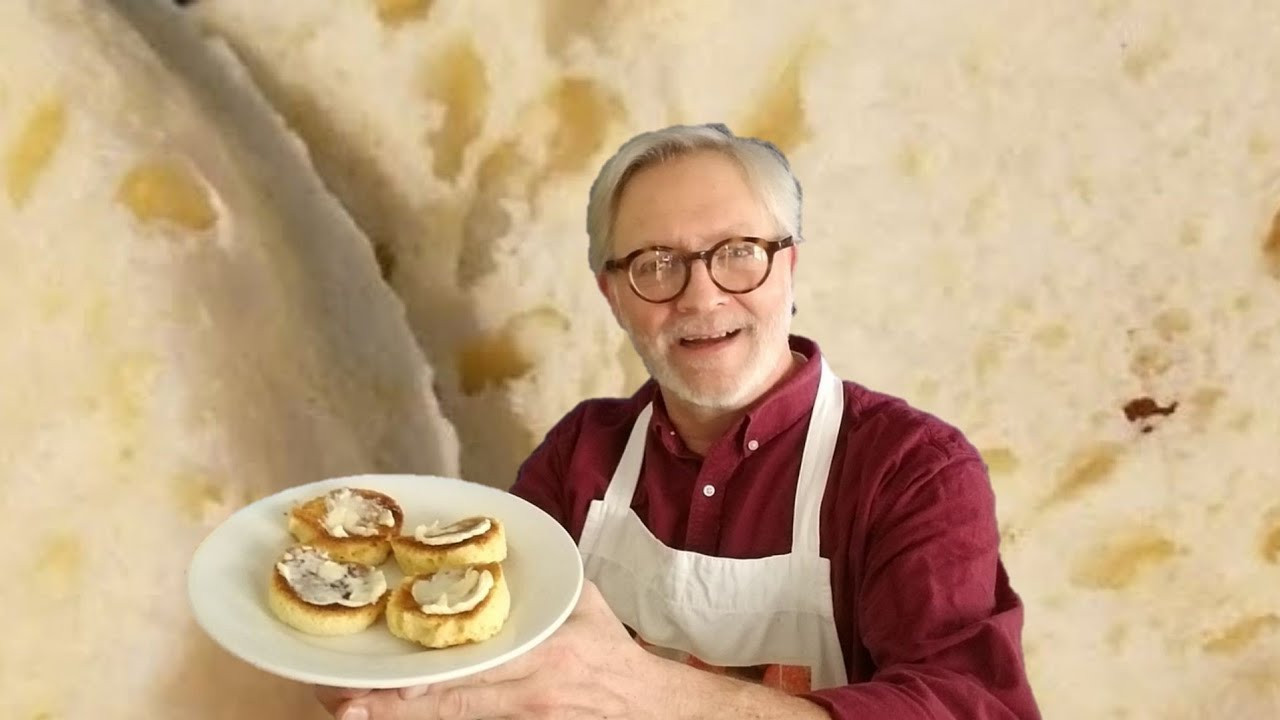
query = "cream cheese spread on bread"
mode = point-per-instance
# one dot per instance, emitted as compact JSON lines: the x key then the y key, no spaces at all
{"x":452,"y":591}
{"x":433,"y":534}
{"x":321,"y":581}
{"x":348,"y":513}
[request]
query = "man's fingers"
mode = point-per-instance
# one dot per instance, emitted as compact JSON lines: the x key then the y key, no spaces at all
{"x":517,"y":669}
{"x":414,"y":691}
{"x":470,"y":702}
{"x":331,"y":697}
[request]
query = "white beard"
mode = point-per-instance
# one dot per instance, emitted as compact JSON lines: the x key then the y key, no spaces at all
{"x":767,"y":347}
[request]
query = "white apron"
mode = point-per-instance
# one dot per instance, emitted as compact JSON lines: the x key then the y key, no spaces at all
{"x":725,"y":612}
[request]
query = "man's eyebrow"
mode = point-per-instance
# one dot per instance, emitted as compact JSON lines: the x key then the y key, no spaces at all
{"x":735,"y":230}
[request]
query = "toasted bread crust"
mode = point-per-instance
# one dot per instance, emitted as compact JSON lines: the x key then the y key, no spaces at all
{"x":406,"y":620}
{"x":330,"y":620}
{"x":306,"y":523}
{"x":418,"y":558}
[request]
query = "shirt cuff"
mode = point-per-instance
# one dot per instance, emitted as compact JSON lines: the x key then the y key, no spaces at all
{"x":868,"y":701}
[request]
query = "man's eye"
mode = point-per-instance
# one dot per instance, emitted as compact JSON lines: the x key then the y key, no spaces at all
{"x":654,"y":265}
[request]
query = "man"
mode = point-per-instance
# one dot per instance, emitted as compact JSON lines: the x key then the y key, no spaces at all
{"x":780,"y":543}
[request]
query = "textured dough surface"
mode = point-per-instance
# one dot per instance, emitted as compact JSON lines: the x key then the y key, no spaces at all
{"x":190,"y":322}
{"x":1025,"y":217}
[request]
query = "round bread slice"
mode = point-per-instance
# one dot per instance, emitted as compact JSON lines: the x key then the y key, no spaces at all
{"x":307,"y":523}
{"x":290,"y":605}
{"x":420,"y":558}
{"x":406,"y":619}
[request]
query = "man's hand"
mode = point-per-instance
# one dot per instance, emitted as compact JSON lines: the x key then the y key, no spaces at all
{"x":590,"y":667}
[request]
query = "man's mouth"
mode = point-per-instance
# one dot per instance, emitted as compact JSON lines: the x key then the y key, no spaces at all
{"x":708,"y":340}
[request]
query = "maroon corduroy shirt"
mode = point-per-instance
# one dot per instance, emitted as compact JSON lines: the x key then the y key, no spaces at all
{"x":929,"y":624}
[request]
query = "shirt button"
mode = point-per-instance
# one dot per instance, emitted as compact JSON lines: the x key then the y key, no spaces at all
{"x":752,"y":445}
{"x":708,"y":490}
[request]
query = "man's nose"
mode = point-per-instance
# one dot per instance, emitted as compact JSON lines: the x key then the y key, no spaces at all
{"x":701,"y":293}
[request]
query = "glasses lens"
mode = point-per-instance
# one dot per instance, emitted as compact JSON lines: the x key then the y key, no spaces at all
{"x":658,"y":275}
{"x":740,"y":266}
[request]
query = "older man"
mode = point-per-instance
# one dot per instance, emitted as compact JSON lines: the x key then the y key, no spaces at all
{"x":761,"y":539}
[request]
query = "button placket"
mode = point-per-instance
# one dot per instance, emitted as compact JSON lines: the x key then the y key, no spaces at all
{"x":704,"y":514}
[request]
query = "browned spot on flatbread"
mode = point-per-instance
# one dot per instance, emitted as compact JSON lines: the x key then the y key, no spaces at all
{"x":1259,"y":144}
{"x":197,"y":496}
{"x":505,"y":174}
{"x":1142,"y":410}
{"x":1242,"y":421}
{"x":1143,"y":59}
{"x":1051,"y":336}
{"x":29,"y":153}
{"x":585,"y":113}
{"x":458,"y":81}
{"x":169,"y":191}
{"x":565,"y":20}
{"x":1172,"y":324}
{"x":1086,"y":469}
{"x":1271,"y":248}
{"x":394,"y":12}
{"x":1116,"y":564}
{"x":60,"y":563}
{"x":1204,"y":401}
{"x":1117,"y":636}
{"x":779,"y":115}
{"x":1150,"y":361}
{"x":1238,"y":636}
{"x":1145,"y":407}
{"x":987,"y":357}
{"x":1271,"y":544}
{"x":999,"y":460}
{"x":510,"y":352}
{"x":1192,"y":233}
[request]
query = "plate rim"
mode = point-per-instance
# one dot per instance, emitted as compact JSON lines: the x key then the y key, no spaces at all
{"x":373,"y":681}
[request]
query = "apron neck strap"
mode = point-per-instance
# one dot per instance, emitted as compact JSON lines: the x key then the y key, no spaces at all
{"x":622,"y":487}
{"x":815,"y":463}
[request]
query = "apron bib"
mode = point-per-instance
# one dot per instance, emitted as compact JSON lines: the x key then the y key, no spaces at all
{"x":764,"y":619}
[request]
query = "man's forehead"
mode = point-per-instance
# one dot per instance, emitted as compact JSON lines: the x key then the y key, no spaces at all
{"x":691,"y":226}
{"x":691,"y":239}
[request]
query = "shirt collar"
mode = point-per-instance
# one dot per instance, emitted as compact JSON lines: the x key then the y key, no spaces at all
{"x":778,"y":409}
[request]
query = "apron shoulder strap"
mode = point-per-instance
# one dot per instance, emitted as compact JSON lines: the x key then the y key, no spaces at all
{"x":815,"y":463}
{"x":622,"y":486}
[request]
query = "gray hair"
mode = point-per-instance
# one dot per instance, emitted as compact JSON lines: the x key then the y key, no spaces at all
{"x":766,"y":168}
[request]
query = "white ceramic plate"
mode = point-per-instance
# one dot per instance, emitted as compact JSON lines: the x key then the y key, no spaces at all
{"x":228,"y":575}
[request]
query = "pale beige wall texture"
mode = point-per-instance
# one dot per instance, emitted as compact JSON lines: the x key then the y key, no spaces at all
{"x":1020,"y":216}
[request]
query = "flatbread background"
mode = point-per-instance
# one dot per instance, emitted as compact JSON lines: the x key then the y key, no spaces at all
{"x":190,"y":322}
{"x":1056,"y":225}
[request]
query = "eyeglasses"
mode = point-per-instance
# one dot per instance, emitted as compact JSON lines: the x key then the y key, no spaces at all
{"x":736,"y":265}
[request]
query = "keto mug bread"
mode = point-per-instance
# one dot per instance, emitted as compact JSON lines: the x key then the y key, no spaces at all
{"x":313,"y":593}
{"x":478,"y":540}
{"x":351,"y":524}
{"x":452,"y":606}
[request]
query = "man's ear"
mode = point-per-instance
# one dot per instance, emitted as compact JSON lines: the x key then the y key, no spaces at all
{"x":606,"y":289}
{"x":795,"y":258}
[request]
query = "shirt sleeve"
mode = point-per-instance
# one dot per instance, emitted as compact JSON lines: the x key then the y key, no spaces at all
{"x":542,"y":477}
{"x":935,"y":609}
